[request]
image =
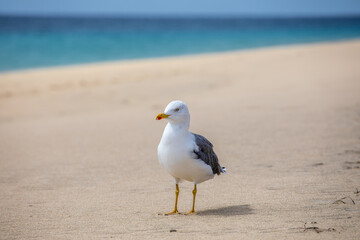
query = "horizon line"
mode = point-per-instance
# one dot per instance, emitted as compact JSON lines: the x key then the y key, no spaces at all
{"x":167,"y":16}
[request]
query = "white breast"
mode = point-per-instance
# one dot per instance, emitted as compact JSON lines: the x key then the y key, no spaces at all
{"x":175,"y":153}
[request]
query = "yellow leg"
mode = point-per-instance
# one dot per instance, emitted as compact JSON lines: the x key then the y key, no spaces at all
{"x":193,"y":206}
{"x":176,"y":201}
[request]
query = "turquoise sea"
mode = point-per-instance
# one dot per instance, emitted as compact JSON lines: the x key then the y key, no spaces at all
{"x":30,"y":42}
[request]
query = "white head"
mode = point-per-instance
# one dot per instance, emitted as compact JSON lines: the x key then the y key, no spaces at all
{"x":176,"y":112}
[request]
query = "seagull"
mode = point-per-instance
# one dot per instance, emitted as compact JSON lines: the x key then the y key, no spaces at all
{"x":185,"y":155}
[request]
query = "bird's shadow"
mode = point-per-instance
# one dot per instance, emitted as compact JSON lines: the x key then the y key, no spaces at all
{"x":234,"y":210}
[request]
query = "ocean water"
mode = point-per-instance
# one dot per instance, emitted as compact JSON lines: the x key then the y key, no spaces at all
{"x":31,"y":42}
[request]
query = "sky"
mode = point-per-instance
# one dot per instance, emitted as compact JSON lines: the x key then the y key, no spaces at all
{"x":181,"y":7}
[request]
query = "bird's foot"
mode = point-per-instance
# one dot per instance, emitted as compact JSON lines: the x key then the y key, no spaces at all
{"x":192,"y":212}
{"x":170,"y":213}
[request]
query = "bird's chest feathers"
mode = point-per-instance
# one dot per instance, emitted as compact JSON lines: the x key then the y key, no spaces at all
{"x":175,"y":146}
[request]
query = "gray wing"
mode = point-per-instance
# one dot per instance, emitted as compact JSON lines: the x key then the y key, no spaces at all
{"x":207,"y":154}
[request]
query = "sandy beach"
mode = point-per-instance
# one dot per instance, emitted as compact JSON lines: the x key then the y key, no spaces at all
{"x":78,"y":147}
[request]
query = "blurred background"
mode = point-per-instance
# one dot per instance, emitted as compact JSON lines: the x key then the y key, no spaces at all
{"x":40,"y":33}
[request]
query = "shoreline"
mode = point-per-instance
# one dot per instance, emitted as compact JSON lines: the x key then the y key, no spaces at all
{"x":109,"y":73}
{"x":185,"y":56}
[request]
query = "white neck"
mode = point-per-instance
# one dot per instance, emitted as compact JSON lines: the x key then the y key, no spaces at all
{"x":174,"y":132}
{"x":179,"y":126}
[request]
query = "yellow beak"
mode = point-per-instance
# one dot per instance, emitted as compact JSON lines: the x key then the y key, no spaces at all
{"x":161,"y":116}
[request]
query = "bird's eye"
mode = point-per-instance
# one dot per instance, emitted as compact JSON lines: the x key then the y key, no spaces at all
{"x":177,"y":109}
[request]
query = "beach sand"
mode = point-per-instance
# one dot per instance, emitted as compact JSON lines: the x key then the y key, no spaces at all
{"x":78,"y":147}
